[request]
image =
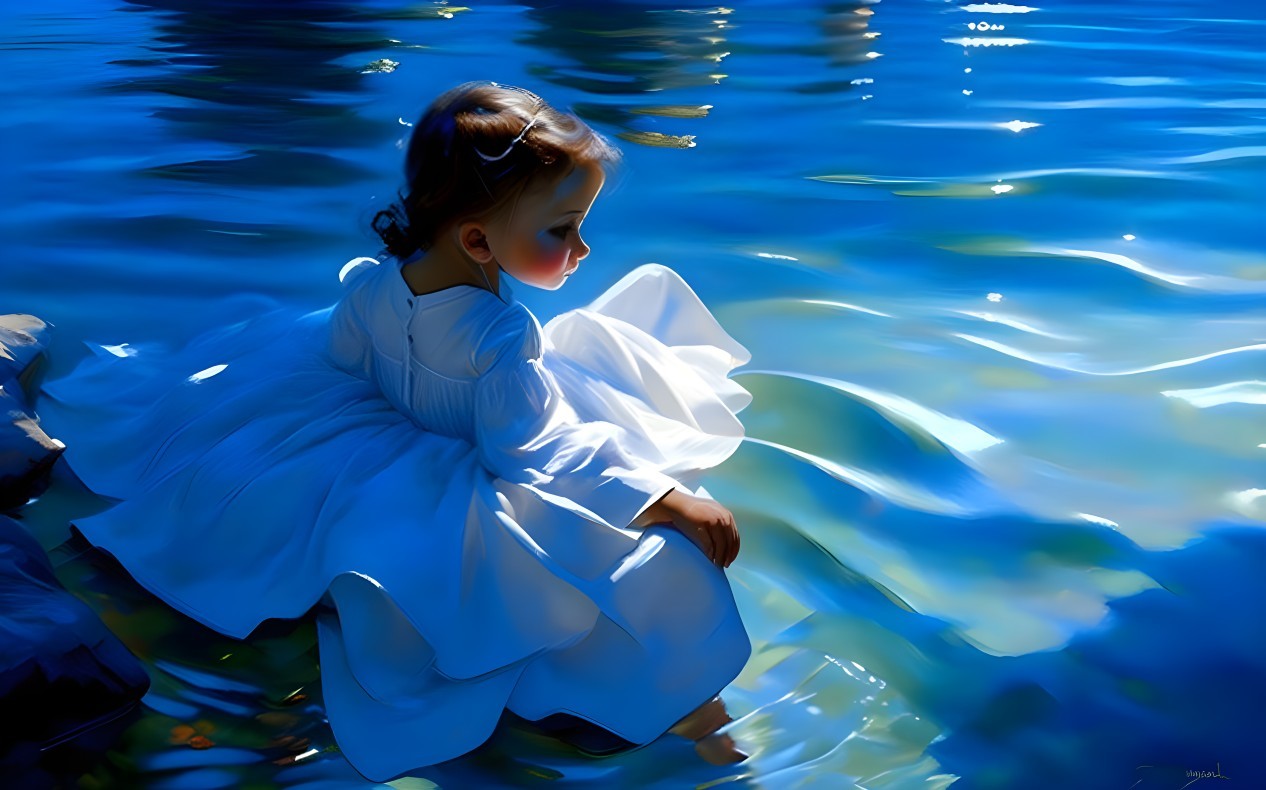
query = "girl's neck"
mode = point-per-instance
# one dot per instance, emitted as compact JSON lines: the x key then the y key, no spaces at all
{"x":442,"y":267}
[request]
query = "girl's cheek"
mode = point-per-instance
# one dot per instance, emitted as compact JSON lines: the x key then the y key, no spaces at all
{"x":550,"y":258}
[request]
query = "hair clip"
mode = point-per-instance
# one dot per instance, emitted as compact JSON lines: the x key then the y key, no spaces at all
{"x":487,"y":158}
{"x":536,"y":102}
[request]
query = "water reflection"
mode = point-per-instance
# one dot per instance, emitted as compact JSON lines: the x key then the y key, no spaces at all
{"x":625,"y":48}
{"x":264,"y":79}
{"x":847,"y":42}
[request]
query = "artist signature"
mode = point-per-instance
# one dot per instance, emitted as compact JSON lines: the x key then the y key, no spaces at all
{"x":1191,"y":775}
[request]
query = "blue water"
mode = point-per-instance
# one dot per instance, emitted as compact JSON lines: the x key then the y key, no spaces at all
{"x":1002,"y":270}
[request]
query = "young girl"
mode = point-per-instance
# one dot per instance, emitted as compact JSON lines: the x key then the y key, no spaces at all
{"x":486,"y":514}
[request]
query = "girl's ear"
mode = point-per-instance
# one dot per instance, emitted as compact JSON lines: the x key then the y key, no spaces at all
{"x":473,"y":239}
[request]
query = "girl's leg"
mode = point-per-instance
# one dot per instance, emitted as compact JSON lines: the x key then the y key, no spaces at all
{"x":680,"y":642}
{"x":701,"y":727}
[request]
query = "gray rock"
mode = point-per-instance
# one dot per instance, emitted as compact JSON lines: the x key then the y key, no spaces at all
{"x":23,"y":338}
{"x":27,"y":454}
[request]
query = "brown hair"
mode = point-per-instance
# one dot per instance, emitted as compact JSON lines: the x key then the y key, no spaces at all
{"x":447,"y":179}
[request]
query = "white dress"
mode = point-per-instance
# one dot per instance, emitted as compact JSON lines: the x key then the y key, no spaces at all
{"x":449,"y":483}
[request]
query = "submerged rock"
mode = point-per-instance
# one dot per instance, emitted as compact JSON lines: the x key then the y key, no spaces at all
{"x":22,"y":340}
{"x":62,"y":672}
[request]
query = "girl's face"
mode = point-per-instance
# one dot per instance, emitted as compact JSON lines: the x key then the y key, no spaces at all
{"x":539,"y":243}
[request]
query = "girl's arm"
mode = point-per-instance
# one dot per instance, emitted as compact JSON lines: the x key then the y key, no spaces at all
{"x":706,"y":522}
{"x":661,"y":510}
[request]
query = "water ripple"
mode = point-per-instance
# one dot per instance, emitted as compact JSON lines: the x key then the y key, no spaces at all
{"x":1253,"y":392}
{"x":1204,"y":282}
{"x":957,"y":434}
{"x":1241,"y":152}
{"x":846,"y":306}
{"x":1014,"y":323}
{"x":1130,"y":103}
{"x":1061,"y":361}
{"x":882,"y":486}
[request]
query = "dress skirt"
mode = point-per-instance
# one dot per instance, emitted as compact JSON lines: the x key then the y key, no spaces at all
{"x":251,"y":479}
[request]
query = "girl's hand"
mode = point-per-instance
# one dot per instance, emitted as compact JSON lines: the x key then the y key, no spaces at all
{"x":707,"y":523}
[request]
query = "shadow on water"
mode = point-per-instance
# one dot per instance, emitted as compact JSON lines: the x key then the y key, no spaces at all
{"x":259,"y":76}
{"x":268,"y":88}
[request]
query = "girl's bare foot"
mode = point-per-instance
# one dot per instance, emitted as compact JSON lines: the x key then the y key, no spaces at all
{"x":720,"y":749}
{"x":703,"y":720}
{"x":701,"y":726}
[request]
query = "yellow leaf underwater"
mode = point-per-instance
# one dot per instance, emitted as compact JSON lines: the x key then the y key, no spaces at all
{"x":660,"y":140}
{"x":675,"y":110}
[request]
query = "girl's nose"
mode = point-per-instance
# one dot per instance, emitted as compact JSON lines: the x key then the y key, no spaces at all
{"x":584,"y":251}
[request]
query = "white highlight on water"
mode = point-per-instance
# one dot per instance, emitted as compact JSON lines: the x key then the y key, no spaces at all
{"x":977,"y":41}
{"x":202,"y":375}
{"x":1249,"y":502}
{"x":1013,"y":323}
{"x":1253,"y":392}
{"x":997,"y":8}
{"x":1019,"y":126}
{"x":846,"y":306}
{"x":121,"y":350}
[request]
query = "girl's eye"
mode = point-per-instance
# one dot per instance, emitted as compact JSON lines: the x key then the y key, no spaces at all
{"x":563,"y":231}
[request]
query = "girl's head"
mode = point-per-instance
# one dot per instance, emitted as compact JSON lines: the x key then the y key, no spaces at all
{"x":506,"y":176}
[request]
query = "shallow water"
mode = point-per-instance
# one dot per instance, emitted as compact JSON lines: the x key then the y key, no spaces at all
{"x":1001,"y":269}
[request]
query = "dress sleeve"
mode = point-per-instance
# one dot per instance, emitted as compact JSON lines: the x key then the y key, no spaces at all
{"x":527,"y":432}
